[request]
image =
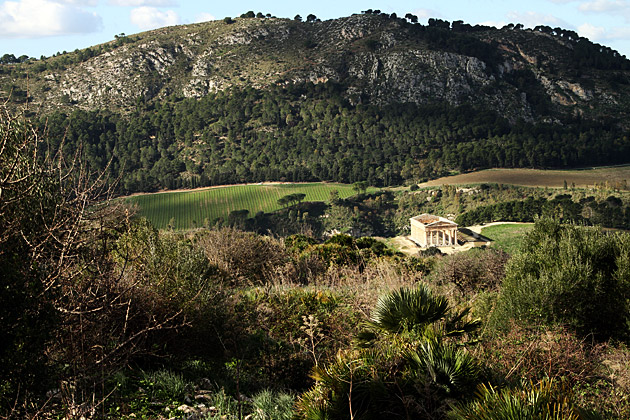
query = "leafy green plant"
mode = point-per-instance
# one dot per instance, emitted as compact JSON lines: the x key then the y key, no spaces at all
{"x":166,"y":385}
{"x":226,"y":407}
{"x":417,"y":312}
{"x":402,"y":366}
{"x":269,"y":405}
{"x":545,"y":400}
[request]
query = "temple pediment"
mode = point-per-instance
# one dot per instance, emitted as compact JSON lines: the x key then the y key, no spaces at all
{"x":431,"y":230}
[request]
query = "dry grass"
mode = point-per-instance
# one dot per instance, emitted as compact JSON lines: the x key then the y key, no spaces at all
{"x":614,"y":176}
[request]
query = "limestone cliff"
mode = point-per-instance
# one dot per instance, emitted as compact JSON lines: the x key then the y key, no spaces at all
{"x":378,"y":59}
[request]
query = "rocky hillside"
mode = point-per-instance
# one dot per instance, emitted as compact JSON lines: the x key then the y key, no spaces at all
{"x":536,"y":75}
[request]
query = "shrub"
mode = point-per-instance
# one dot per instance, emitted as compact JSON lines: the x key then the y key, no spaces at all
{"x":571,"y":275}
{"x":472,"y":271}
{"x":166,"y":385}
{"x":268,"y":405}
{"x":402,"y":367}
{"x":244,"y":257}
{"x":546,"y":400}
{"x":533,"y":354}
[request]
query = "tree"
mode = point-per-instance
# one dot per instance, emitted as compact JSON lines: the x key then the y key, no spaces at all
{"x":412,"y":18}
{"x":69,"y":315}
{"x":360,"y":187}
{"x":298,"y":18}
{"x":311,"y":18}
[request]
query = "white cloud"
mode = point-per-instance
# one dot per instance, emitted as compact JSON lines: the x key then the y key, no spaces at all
{"x":605,"y":6}
{"x":601,"y":34}
{"x":39,"y":18}
{"x":619,"y":33}
{"x":533,"y":19}
{"x":592,"y":32}
{"x":138,"y":3}
{"x":151,"y":18}
{"x":424,"y":14}
{"x":204,"y":17}
{"x":495,"y":23}
{"x":79,"y":2}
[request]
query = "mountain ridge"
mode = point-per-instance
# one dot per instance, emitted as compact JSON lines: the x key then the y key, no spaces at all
{"x":364,"y":98}
{"x":381,"y":60}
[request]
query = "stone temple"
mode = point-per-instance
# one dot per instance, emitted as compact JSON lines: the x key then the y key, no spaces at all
{"x":429,"y":230}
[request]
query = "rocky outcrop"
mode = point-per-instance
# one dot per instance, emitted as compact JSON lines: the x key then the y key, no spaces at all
{"x":377,"y":59}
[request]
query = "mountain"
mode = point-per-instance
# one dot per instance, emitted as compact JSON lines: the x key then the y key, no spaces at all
{"x":441,"y":90}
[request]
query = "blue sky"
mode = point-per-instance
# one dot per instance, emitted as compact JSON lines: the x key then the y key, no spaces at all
{"x":44,"y":27}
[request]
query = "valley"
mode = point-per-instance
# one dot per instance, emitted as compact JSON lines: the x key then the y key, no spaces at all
{"x":211,"y":221}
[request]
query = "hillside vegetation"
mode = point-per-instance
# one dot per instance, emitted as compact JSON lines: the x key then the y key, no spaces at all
{"x":370,"y":97}
{"x":104,"y":316}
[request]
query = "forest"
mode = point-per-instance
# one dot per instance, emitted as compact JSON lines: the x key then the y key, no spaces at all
{"x":309,"y":133}
{"x":103,"y":316}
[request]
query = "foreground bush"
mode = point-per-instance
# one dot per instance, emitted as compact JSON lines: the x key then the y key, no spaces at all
{"x":402,"y":367}
{"x":543,"y":401}
{"x":570,"y":275}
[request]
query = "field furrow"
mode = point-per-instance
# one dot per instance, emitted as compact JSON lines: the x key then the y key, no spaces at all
{"x":194,"y":208}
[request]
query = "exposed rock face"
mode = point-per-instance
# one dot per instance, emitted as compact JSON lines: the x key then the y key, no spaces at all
{"x":377,"y":59}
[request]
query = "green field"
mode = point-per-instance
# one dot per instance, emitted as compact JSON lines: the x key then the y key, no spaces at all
{"x":194,"y":208}
{"x":507,"y":237}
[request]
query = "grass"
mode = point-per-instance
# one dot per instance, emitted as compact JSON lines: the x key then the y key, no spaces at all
{"x":613,"y":176}
{"x":189,"y":209}
{"x":507,"y":237}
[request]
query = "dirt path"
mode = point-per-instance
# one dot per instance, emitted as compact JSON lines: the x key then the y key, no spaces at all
{"x":215,"y":186}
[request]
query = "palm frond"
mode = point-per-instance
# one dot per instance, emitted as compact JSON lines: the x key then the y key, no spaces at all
{"x":407,"y":309}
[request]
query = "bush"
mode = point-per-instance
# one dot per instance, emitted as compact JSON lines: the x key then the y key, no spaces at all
{"x":472,"y":271}
{"x":268,"y":405}
{"x":546,"y":400}
{"x":166,"y":385}
{"x":571,"y":275}
{"x":533,"y":354}
{"x":401,"y":366}
{"x":244,"y":257}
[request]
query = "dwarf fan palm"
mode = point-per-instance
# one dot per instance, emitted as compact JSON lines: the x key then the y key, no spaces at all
{"x":418,"y":312}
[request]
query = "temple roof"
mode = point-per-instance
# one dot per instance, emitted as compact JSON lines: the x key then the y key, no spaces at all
{"x":432,"y":220}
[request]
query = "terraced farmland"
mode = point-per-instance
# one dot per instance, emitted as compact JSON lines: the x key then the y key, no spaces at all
{"x":614,"y":176}
{"x":187,"y":209}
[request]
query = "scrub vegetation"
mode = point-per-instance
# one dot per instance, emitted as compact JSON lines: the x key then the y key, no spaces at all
{"x":104,"y":316}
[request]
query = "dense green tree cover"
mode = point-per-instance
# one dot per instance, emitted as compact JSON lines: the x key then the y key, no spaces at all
{"x":309,"y":132}
{"x":608,"y":213}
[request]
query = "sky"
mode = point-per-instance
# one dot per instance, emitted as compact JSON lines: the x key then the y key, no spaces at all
{"x":45,"y":27}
